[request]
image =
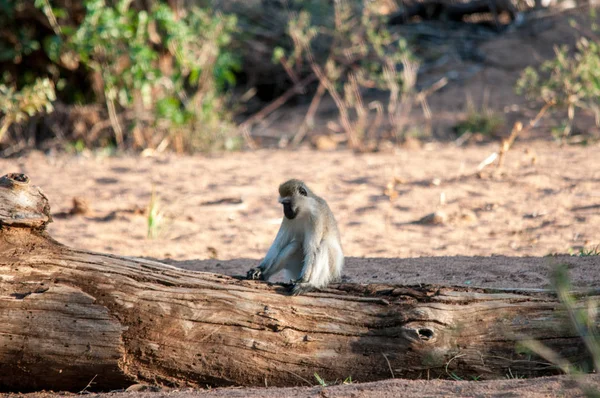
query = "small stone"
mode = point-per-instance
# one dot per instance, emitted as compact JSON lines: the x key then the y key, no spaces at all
{"x":325,"y":143}
{"x":412,"y":143}
{"x":80,"y":206}
{"x":143,"y":387}
{"x":435,"y":218}
{"x":467,"y":216}
{"x":386,"y":146}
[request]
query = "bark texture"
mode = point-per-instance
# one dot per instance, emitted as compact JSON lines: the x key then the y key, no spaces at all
{"x":69,"y":316}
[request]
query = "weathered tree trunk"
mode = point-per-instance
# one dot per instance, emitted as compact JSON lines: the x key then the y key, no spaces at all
{"x":69,"y":316}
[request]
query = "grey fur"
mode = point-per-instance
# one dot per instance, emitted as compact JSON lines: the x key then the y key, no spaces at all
{"x":307,"y":245}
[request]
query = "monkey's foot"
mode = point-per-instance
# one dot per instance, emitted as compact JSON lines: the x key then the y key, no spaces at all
{"x":300,"y":288}
{"x":255,"y":274}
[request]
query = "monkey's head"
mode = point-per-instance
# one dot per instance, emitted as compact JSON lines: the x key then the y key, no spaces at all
{"x":293,"y":195}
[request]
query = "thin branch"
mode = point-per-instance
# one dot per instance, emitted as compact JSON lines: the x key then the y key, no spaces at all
{"x":84,"y":391}
{"x":309,"y":117}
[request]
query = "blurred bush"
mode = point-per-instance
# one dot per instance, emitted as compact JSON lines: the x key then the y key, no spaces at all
{"x":161,"y":74}
{"x":162,"y":77}
{"x":570,"y":81}
{"x":18,"y":106}
{"x":363,"y":55}
{"x":263,"y":27}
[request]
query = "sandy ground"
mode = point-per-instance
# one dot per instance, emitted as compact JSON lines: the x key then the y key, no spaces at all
{"x":560,"y":386}
{"x":545,"y":200}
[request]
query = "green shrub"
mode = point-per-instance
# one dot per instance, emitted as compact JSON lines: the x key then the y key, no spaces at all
{"x":160,"y":76}
{"x":18,"y":106}
{"x":483,"y":121}
{"x":570,"y":81}
{"x":363,"y":54}
{"x":182,"y":99}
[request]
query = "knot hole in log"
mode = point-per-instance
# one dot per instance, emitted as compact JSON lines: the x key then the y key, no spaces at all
{"x":425,"y":334}
{"x":15,"y":179}
{"x":420,"y":333}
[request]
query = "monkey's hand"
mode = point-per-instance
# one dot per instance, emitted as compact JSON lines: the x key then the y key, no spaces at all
{"x":255,"y":274}
{"x":300,"y":288}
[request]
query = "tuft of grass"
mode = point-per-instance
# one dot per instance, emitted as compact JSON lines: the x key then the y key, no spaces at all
{"x":323,"y":383}
{"x":582,"y":252}
{"x":456,"y":377}
{"x":320,"y":380}
{"x":592,"y":251}
{"x":584,"y":319}
{"x":155,"y":216}
{"x":75,"y":147}
{"x":510,"y":375}
{"x":484,"y":121}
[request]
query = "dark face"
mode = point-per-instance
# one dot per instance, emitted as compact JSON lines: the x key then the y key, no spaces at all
{"x":292,"y":194}
{"x":288,"y":209}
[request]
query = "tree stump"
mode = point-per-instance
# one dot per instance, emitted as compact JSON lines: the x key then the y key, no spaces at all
{"x":68,"y":316}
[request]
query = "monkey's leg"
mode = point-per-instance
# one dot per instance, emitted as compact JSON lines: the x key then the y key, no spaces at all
{"x":336,"y":260}
{"x":321,"y":268}
{"x":293,"y":267}
{"x":283,"y":257}
{"x":310,"y":272}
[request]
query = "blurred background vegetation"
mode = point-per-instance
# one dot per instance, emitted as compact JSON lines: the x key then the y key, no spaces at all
{"x":188,"y":76}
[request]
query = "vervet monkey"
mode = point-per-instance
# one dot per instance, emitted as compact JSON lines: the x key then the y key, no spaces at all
{"x":307,"y":245}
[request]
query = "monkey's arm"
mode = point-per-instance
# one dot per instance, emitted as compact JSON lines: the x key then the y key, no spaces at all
{"x":281,"y":260}
{"x":271,"y":265}
{"x":273,"y":261}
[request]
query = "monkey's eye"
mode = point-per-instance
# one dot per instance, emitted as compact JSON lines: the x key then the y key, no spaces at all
{"x":302,"y":191}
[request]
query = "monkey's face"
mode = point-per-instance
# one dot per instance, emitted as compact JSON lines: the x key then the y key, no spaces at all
{"x":293,"y":196}
{"x":289,"y":210}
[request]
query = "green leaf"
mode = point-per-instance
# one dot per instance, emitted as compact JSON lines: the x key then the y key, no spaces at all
{"x":278,"y":53}
{"x":52,"y":47}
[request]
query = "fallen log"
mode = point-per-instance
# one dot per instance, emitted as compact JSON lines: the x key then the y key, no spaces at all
{"x":70,"y":316}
